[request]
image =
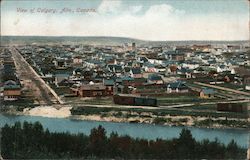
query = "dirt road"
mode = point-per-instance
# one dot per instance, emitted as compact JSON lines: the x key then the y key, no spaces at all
{"x":31,"y":81}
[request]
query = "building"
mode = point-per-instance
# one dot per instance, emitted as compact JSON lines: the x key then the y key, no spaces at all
{"x":174,"y":56}
{"x":60,"y":77}
{"x":109,"y":84}
{"x":90,"y":90}
{"x":77,"y":60}
{"x":12,"y":91}
{"x":133,"y":46}
{"x":61,"y":63}
{"x":155,"y":79}
{"x":177,"y":87}
{"x":207,"y":93}
{"x":136,"y":73}
{"x":246,"y":80}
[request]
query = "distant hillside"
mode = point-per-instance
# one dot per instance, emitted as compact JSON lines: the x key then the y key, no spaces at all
{"x":21,"y":40}
{"x":67,"y":40}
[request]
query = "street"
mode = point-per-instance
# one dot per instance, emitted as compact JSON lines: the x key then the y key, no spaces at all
{"x":31,"y":81}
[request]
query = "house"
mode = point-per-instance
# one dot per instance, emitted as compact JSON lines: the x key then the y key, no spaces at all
{"x":87,"y":74}
{"x":109,"y":84}
{"x":89,"y":90}
{"x":66,"y":82}
{"x":115,"y":68}
{"x":77,"y":72}
{"x":222,"y":68}
{"x":123,"y":80}
{"x":77,"y":60}
{"x":60,"y":77}
{"x":199,"y":70}
{"x":177,"y":87}
{"x":134,"y":82}
{"x":172,"y":69}
{"x":92,"y":63}
{"x":241,"y":71}
{"x":183,"y":70}
{"x":190,"y":64}
{"x":155,"y":79}
{"x":233,"y":48}
{"x":8,"y":73}
{"x":149,"y":67}
{"x":142,"y":59}
{"x":61,"y":63}
{"x":136,"y":73}
{"x":246,"y":81}
{"x":111,"y":61}
{"x":12,"y":91}
{"x":174,"y":56}
{"x":203,"y":48}
{"x":207,"y":93}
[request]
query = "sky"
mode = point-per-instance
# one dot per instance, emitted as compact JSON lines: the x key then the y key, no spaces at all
{"x":157,"y":20}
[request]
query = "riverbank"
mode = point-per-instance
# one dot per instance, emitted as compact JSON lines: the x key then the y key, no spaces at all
{"x":166,"y":117}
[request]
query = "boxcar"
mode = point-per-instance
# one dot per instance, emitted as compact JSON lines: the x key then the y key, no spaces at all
{"x":133,"y":100}
{"x":232,"y":107}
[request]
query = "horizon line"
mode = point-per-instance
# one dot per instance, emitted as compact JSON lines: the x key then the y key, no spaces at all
{"x":116,"y":37}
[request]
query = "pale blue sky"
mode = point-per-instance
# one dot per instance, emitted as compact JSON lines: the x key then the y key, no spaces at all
{"x":143,"y":19}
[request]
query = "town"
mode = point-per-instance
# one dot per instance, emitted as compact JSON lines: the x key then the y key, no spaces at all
{"x":128,"y":74}
{"x":117,"y":79}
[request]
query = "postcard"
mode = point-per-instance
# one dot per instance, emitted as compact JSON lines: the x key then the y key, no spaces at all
{"x":125,"y":79}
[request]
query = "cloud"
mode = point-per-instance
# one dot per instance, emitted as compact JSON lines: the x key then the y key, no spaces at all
{"x":109,"y":7}
{"x":158,"y":22}
{"x":135,"y":9}
{"x":163,"y":10}
{"x":164,"y":22}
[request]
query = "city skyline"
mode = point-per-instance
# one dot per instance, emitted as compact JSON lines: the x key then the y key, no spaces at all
{"x":157,"y":21}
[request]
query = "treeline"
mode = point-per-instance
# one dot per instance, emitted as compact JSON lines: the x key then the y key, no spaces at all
{"x":30,"y":140}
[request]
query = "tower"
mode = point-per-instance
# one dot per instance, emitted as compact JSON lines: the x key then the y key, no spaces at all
{"x":133,"y":46}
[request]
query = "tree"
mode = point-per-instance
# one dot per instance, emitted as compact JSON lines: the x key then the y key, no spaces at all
{"x":186,"y":144}
{"x":232,"y":149}
{"x":30,"y":141}
{"x":97,"y":141}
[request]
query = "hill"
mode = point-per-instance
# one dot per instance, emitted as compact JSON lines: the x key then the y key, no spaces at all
{"x":100,"y":40}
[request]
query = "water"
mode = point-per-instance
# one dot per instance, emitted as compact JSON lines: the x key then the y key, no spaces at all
{"x":147,"y":131}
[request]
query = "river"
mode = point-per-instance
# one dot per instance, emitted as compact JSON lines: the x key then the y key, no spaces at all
{"x":147,"y":131}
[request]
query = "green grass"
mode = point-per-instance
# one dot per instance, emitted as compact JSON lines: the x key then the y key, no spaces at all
{"x":61,"y":90}
{"x":20,"y":102}
{"x":93,"y":101}
{"x":202,"y":107}
{"x":19,"y":105}
{"x":231,"y":86}
{"x":183,"y":99}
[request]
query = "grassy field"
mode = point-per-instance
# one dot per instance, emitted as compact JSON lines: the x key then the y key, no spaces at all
{"x":90,"y":101}
{"x":207,"y":107}
{"x":162,"y":101}
{"x":183,"y":99}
